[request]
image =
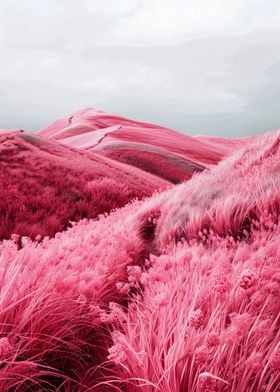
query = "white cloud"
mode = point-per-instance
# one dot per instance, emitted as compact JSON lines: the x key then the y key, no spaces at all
{"x":111,"y":9}
{"x":191,"y":64}
{"x":103,"y":85}
{"x":131,"y":22}
{"x":162,"y":22}
{"x":47,"y":62}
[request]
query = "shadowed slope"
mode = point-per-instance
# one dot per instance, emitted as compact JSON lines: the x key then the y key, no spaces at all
{"x":45,"y":185}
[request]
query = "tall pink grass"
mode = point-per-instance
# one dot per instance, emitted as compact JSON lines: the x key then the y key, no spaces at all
{"x":206,"y":314}
{"x":178,"y":292}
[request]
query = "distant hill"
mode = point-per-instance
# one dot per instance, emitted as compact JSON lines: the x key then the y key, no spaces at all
{"x":88,"y":164}
{"x":171,"y":155}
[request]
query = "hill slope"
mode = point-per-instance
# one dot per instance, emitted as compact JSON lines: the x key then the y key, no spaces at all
{"x":46,"y":184}
{"x":177,"y":292}
{"x":169,"y":154}
{"x":87,"y":164}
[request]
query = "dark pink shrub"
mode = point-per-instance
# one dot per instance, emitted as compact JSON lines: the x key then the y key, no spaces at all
{"x":171,"y":167}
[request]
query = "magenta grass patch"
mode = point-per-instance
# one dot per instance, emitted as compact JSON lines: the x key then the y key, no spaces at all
{"x":114,"y":279}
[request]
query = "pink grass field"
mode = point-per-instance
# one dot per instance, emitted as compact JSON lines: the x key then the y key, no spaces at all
{"x":136,"y":258}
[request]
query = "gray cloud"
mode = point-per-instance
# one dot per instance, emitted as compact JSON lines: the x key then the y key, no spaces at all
{"x":220,"y":79}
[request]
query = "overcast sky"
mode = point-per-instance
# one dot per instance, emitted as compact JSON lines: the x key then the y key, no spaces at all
{"x":199,"y":66}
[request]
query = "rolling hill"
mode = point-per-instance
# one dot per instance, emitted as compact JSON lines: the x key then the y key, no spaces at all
{"x":88,"y":164}
{"x":153,"y":286}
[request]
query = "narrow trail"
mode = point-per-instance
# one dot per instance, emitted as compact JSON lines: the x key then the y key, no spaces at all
{"x":103,"y":137}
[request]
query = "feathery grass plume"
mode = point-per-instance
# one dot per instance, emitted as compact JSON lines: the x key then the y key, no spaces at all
{"x":176,"y":292}
{"x":219,"y":327}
